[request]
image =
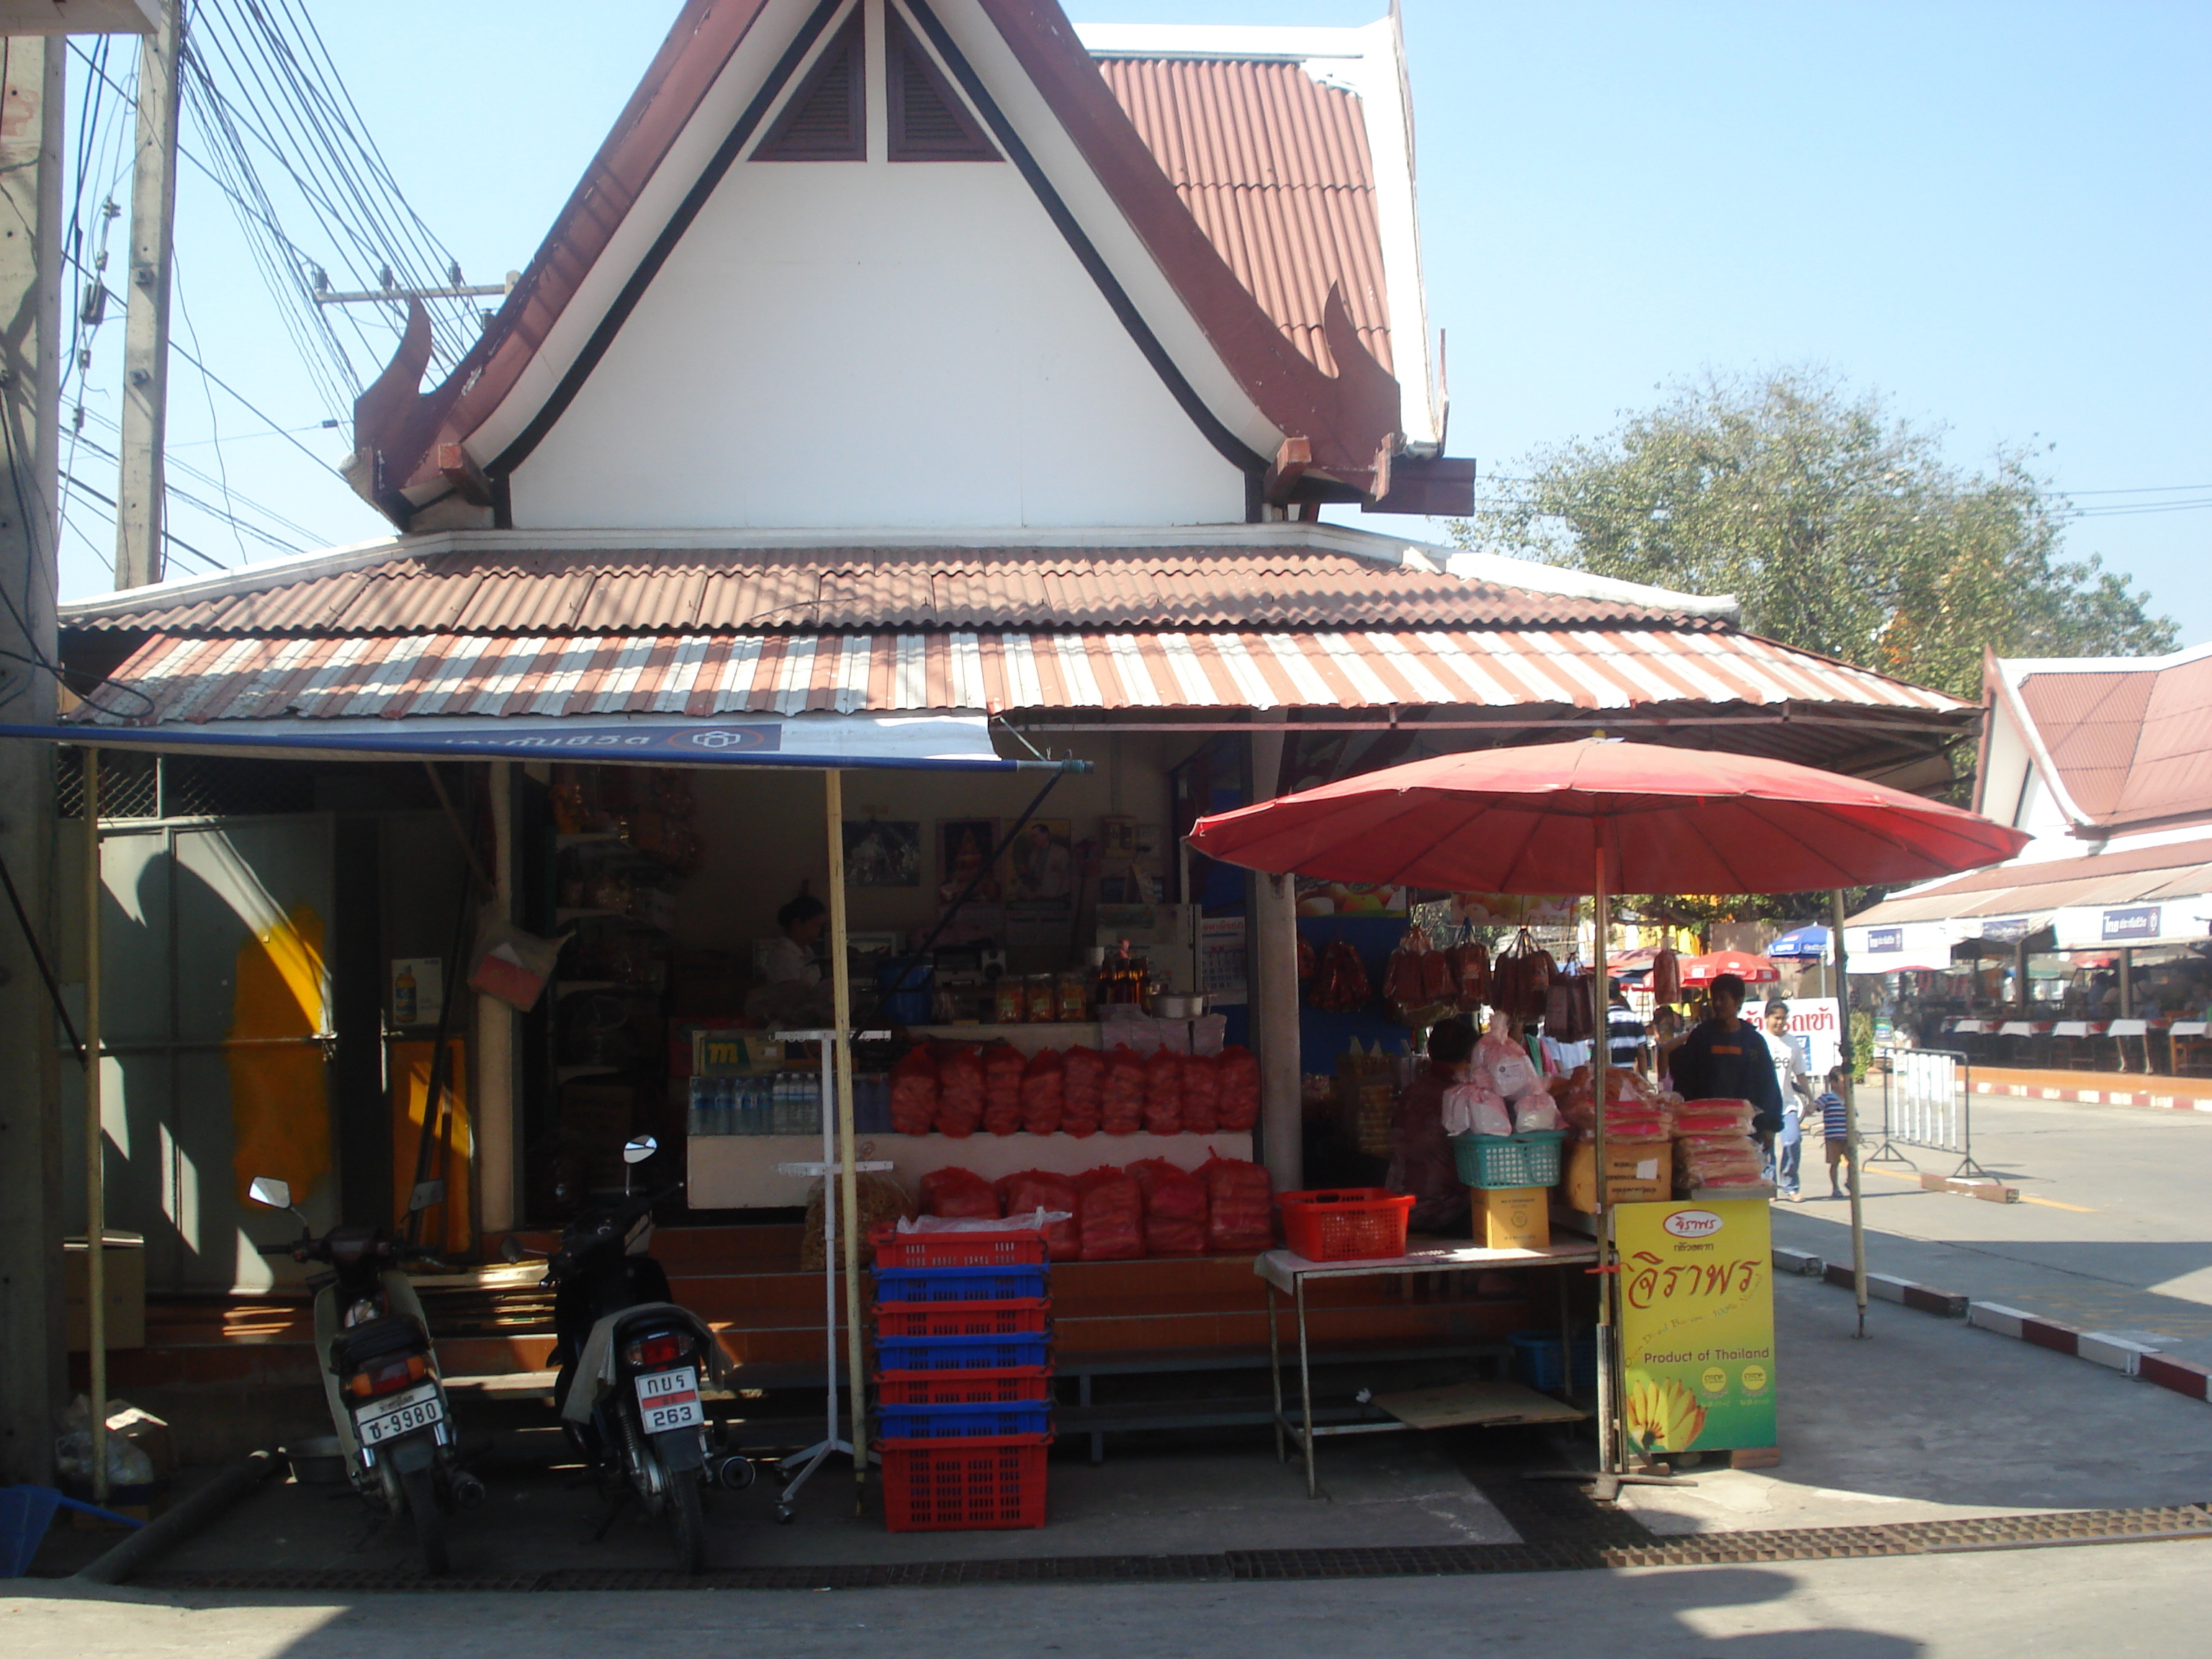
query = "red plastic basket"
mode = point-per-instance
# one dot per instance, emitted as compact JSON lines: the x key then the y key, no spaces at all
{"x":1017,"y":1248}
{"x":998,"y":1388}
{"x":1348,"y":1224}
{"x":961,"y":1318}
{"x":982,"y":1485}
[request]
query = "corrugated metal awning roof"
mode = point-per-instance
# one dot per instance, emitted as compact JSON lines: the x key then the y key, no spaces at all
{"x":186,"y":678}
{"x":2181,"y":870}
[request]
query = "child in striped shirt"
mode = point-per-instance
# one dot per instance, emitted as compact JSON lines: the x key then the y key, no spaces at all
{"x":1835,"y":1126}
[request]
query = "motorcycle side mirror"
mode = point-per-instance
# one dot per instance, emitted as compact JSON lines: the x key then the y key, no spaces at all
{"x":510,"y":1249}
{"x":267,"y":1189}
{"x":637,"y":1151}
{"x":426,"y":1193}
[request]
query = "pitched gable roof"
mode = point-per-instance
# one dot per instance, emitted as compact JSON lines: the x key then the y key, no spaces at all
{"x":2125,"y":743}
{"x":1286,"y":341}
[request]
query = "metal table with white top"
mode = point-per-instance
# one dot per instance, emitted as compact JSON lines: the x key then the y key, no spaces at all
{"x":1288,"y":1273}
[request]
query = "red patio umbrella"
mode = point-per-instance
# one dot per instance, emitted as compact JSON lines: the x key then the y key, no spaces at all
{"x":1533,"y":820}
{"x":1602,"y":817}
{"x":1752,"y":970}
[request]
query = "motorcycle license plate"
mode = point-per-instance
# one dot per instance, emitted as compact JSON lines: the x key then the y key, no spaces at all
{"x":403,"y":1413}
{"x":670,"y":1399}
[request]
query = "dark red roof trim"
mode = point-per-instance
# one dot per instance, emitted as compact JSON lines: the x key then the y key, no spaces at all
{"x":1350,"y":419}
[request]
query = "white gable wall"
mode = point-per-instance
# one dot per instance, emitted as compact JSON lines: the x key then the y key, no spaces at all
{"x":872,"y":344}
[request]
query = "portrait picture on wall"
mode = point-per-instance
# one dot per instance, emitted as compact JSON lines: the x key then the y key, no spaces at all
{"x":963,"y":848}
{"x":1042,"y":864}
{"x":882,"y":854}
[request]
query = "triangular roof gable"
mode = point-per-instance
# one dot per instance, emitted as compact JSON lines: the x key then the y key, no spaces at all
{"x":716,"y":81}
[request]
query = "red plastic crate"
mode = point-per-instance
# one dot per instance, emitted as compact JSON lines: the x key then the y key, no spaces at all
{"x":1016,"y":1248}
{"x":998,"y":1388}
{"x":1346,"y":1224}
{"x":1023,"y":1318}
{"x":964,"y":1485}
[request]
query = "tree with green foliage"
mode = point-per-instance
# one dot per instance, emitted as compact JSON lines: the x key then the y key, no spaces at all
{"x":1841,"y":527}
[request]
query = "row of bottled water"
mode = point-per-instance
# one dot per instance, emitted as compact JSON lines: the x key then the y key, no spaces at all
{"x":785,"y":1103}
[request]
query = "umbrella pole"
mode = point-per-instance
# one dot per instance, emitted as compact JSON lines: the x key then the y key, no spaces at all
{"x":1609,"y":1355}
{"x":1851,"y":1106}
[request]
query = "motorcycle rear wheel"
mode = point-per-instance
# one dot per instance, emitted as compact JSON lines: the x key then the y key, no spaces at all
{"x":687,"y":1519}
{"x":421,"y":1486}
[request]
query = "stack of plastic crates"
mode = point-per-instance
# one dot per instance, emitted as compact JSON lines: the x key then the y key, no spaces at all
{"x":964,"y":1378}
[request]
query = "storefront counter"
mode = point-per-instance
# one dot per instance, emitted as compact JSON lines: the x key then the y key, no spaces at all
{"x":737,"y":1172}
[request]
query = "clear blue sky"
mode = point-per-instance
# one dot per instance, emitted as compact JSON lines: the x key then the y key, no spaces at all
{"x":2000,"y":215}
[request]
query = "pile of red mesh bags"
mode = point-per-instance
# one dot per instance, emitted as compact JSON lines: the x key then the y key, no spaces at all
{"x":1110,"y":1214}
{"x":1238,"y":1073}
{"x":1121,"y":1110}
{"x":1003,"y":1065}
{"x":1202,"y":1095}
{"x":1164,"y":1093}
{"x":957,"y":1194}
{"x":1240,"y":1207}
{"x":1044,"y":1093}
{"x":913,"y":1093}
{"x":1175,"y":1208}
{"x":960,"y":1091}
{"x":1713,"y":1146}
{"x":1032,"y":1190}
{"x":1083,"y":1092}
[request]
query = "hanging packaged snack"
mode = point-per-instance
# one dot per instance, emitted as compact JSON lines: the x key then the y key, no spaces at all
{"x":1665,"y":976}
{"x":1521,"y":978}
{"x":1044,"y":1093}
{"x":1471,"y":967}
{"x":1175,"y":1208}
{"x":1341,"y":985}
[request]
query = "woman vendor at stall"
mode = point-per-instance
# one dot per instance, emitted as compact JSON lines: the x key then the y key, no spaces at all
{"x":1421,"y":1161}
{"x":791,"y":959}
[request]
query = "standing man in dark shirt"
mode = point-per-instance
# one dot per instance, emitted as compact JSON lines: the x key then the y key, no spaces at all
{"x":1725,"y":1058}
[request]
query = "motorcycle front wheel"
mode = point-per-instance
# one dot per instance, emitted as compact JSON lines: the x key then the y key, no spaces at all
{"x":422,"y":1487}
{"x":687,"y":1519}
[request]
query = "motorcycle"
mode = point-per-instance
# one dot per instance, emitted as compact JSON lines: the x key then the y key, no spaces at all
{"x":631,"y":1365}
{"x":379,"y":1372}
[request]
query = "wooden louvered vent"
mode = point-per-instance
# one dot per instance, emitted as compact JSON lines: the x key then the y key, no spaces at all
{"x":929,"y":121}
{"x":826,"y":119}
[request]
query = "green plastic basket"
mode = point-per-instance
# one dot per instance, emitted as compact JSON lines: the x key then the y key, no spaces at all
{"x":1494,"y":1161}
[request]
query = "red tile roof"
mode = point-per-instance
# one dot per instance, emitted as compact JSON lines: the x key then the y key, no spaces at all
{"x":2133,"y":746}
{"x":807,"y":589}
{"x":1274,"y":166}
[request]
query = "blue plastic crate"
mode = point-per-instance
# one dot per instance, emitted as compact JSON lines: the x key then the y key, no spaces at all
{"x":962,"y":1283}
{"x":1537,"y":1359}
{"x":961,"y":1353}
{"x":963,"y":1422}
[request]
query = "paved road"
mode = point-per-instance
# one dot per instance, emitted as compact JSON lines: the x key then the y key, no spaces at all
{"x":2112,"y":1232}
{"x":2114,"y":1599}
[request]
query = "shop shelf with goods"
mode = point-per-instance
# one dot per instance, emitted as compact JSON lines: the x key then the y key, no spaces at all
{"x":964,"y":1378}
{"x":612,"y":867}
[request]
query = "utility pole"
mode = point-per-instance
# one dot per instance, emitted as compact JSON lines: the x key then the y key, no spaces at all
{"x":140,"y":490}
{"x":33,"y":1377}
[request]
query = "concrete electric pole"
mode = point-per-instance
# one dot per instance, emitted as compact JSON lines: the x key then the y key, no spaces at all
{"x":33,"y":1378}
{"x":139,"y":492}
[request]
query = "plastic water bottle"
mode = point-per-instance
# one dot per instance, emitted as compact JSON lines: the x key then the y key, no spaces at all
{"x":696,"y":1116}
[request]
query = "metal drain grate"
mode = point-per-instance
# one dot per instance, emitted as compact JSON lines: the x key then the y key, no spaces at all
{"x":2003,"y":1532}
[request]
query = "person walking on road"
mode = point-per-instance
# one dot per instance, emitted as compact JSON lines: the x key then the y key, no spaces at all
{"x":1791,"y":1083}
{"x":1835,"y":1125}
